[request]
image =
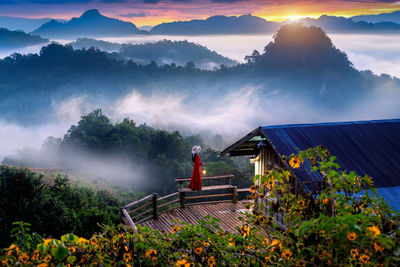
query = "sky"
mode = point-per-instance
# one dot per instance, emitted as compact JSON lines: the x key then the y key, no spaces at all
{"x":153,"y":12}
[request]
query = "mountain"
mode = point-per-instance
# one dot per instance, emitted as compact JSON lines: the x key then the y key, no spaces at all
{"x":145,"y":28}
{"x":246,"y":24}
{"x":344,"y":25}
{"x":384,"y":17}
{"x":89,"y":24}
{"x":14,"y":39}
{"x":99,"y":44}
{"x":162,"y":52}
{"x":300,"y":68}
{"x":22,"y":24}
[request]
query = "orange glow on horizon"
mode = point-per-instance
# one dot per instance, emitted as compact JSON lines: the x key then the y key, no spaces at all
{"x":157,"y":13}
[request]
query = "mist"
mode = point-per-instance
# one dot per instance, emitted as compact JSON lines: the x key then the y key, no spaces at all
{"x":378,"y":53}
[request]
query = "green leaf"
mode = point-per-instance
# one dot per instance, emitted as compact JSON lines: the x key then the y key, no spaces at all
{"x":70,"y":238}
{"x":42,"y":248}
{"x":71,"y":259}
{"x":60,"y":253}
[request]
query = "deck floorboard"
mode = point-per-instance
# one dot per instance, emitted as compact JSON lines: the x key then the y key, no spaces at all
{"x":228,"y":214}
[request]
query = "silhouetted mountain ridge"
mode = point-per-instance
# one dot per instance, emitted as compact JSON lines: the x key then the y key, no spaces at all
{"x":13,"y":39}
{"x":383,"y":17}
{"x":248,"y":24}
{"x":90,"y":23}
{"x":245,"y":24}
{"x":300,"y":64}
{"x":161,"y":52}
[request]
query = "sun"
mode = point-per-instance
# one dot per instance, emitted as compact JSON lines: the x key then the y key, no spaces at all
{"x":294,"y":17}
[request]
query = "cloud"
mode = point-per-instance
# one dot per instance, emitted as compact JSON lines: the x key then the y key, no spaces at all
{"x":135,"y":15}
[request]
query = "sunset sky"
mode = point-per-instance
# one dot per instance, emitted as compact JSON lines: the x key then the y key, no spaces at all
{"x":152,"y":12}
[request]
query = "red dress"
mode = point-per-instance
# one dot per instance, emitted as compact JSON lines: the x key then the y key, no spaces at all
{"x":195,"y":182}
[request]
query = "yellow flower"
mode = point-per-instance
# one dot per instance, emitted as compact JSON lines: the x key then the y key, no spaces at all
{"x":93,"y":241}
{"x":182,"y":262}
{"x":198,"y":250}
{"x":24,"y":258}
{"x":42,"y":265}
{"x":231,"y":242}
{"x":126,"y":248}
{"x":375,"y":230}
{"x":12,"y":246}
{"x":47,"y":241}
{"x":206,"y":243}
{"x":287,"y":254}
{"x":354,"y":252}
{"x":150,"y":253}
{"x":364,"y":258}
{"x":72,"y":249}
{"x":378,"y":248}
{"x":351,"y":236}
{"x":294,"y":162}
{"x":275,"y":242}
{"x":245,"y":230}
{"x":47,"y":258}
{"x":175,"y":229}
{"x":252,"y":189}
{"x":82,"y":240}
{"x":35,"y":255}
{"x":211,"y":261}
{"x":127,"y":257}
{"x":325,"y":201}
{"x":266,"y":241}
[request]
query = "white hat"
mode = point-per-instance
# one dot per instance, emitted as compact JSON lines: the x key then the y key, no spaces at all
{"x":196,"y":149}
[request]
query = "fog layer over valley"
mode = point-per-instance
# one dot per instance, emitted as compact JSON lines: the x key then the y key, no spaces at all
{"x":299,"y":77}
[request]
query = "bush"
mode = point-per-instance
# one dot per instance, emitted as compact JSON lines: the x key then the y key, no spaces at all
{"x":341,"y":222}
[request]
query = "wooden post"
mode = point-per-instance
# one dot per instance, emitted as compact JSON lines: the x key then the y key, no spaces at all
{"x":182,"y":198}
{"x":155,"y":208}
{"x":234,"y":194}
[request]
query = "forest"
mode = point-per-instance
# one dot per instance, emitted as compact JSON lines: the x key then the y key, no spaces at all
{"x":133,"y":160}
{"x":318,"y":75}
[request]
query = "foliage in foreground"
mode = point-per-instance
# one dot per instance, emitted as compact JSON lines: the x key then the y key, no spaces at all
{"x":52,"y":209}
{"x":184,"y":245}
{"x":337,"y":223}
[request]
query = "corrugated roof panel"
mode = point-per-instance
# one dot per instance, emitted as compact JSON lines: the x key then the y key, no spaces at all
{"x":391,"y":195}
{"x":367,"y":147}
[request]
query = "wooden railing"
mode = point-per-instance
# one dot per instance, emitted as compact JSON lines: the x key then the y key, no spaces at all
{"x":151,"y":206}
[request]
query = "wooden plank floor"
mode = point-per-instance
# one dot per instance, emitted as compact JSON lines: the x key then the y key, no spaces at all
{"x":227,"y":212}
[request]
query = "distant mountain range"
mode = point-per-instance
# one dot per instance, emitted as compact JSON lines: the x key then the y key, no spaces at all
{"x":162,"y":52}
{"x":14,"y":39}
{"x":217,"y":25}
{"x":343,"y":25}
{"x":22,"y":24}
{"x":89,"y":24}
{"x":249,"y":24}
{"x":300,"y":65}
{"x":93,"y":24}
{"x":384,"y":17}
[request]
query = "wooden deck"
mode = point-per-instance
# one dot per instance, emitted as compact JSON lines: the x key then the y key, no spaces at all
{"x":227,"y":212}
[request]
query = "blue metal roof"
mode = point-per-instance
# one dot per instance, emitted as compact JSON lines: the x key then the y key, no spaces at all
{"x":367,"y":147}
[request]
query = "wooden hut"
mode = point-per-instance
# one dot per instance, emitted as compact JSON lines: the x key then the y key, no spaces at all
{"x":367,"y":147}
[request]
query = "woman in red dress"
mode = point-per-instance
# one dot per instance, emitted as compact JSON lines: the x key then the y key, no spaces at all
{"x":195,"y":182}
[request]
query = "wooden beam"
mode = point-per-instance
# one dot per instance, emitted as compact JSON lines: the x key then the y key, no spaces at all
{"x":168,"y":196}
{"x":129,"y":219}
{"x":234,"y":194}
{"x":137,"y":201}
{"x":155,"y":208}
{"x":184,"y":179}
{"x":182,"y":199}
{"x":204,"y":196}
